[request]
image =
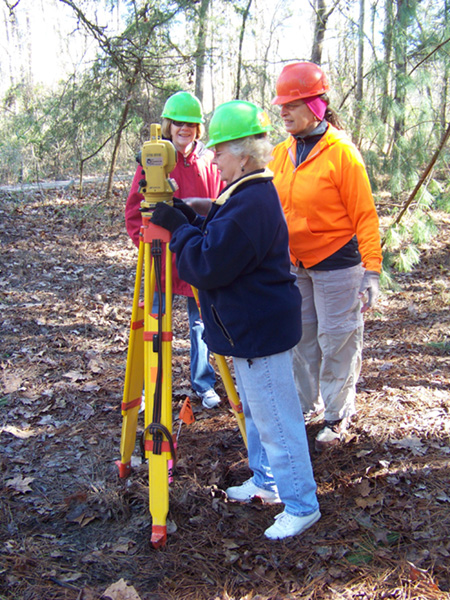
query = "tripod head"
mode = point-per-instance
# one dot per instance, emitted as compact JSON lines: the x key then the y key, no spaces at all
{"x":157,"y":158}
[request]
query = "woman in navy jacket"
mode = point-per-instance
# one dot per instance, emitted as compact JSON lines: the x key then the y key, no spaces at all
{"x":238,"y":259}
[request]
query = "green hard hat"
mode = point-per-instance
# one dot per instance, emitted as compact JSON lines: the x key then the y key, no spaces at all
{"x":183,"y":106}
{"x":237,"y":119}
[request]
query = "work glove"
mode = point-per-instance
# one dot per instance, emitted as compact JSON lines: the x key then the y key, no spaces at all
{"x":168,"y":217}
{"x":187,"y":211}
{"x":369,"y":289}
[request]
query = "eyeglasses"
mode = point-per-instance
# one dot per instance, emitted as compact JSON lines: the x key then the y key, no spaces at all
{"x":181,"y":123}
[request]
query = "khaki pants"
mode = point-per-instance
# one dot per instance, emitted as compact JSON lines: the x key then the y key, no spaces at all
{"x":327,"y":360}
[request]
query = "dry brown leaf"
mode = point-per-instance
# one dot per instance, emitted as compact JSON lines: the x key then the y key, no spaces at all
{"x":20,"y":484}
{"x":121,"y":591}
{"x":23,"y":434}
{"x":74,"y":375}
{"x":11,"y":383}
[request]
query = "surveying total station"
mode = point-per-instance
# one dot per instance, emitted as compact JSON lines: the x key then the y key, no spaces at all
{"x":149,"y":358}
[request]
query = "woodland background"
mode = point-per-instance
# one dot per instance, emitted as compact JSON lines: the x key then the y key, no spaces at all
{"x":83,"y":107}
{"x":73,"y":118}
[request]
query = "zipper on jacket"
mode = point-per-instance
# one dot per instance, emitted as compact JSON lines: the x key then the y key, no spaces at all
{"x":222,"y":327}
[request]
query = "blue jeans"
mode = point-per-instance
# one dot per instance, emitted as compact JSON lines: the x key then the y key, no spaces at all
{"x":203,"y":376}
{"x":278,"y":452}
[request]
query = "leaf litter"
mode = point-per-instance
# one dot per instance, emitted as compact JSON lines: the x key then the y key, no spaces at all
{"x":70,"y":528}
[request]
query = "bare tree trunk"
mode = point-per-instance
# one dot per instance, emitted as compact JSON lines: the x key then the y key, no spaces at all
{"x":241,"y":41}
{"x":121,"y":127}
{"x":387,"y":42}
{"x":200,"y":54}
{"x":319,"y":31}
{"x":403,"y":19}
{"x":360,"y":74}
{"x":445,"y":75}
{"x":320,"y":26}
{"x":86,"y":158}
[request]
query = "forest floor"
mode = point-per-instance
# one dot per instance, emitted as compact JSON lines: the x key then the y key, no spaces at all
{"x":71,"y":529}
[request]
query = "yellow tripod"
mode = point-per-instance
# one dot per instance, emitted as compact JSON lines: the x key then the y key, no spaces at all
{"x":149,"y":358}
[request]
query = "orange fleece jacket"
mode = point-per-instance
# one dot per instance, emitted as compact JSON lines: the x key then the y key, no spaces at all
{"x":327,"y":200}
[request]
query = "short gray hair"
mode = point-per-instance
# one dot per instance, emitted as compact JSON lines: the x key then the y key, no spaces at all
{"x":256,"y":147}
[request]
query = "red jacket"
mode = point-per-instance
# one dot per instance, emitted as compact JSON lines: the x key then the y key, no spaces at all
{"x":196,"y":177}
{"x":327,"y":200}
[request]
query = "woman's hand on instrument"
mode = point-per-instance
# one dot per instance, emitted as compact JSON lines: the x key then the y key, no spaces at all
{"x":168,"y":217}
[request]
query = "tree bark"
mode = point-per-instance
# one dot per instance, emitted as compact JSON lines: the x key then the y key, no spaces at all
{"x":359,"y":74}
{"x":320,"y":26}
{"x":241,"y":41}
{"x":200,"y":54}
{"x":387,"y":43}
{"x":121,"y":127}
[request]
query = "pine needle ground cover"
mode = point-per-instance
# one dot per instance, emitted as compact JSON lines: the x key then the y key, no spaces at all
{"x":71,"y":529}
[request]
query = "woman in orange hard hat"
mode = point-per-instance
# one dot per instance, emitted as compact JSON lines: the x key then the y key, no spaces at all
{"x":334,"y":245}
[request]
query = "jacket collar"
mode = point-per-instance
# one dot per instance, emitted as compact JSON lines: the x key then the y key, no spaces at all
{"x":319,"y":130}
{"x":330,"y":137}
{"x":228,"y":191}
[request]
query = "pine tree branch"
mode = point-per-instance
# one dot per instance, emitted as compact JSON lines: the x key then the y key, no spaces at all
{"x":419,"y":184}
{"x":428,"y":55}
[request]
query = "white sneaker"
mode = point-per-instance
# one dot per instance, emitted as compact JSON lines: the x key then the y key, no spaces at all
{"x":286,"y":525}
{"x":331,"y":435}
{"x":209,"y":398}
{"x":248,"y":490}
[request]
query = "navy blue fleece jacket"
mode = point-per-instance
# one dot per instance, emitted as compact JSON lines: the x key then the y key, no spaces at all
{"x":238,"y":259}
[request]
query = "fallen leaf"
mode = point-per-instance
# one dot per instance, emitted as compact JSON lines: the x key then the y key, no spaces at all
{"x":74,"y":375}
{"x":120,"y":591}
{"x":20,"y":484}
{"x":363,"y":488}
{"x":412,"y":443}
{"x":11,"y":383}
{"x":23,"y":434}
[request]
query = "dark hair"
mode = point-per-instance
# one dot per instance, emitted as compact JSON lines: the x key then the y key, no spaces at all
{"x":330,"y":114}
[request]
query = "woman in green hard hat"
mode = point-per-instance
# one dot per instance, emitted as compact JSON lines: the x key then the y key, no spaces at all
{"x":237,"y":257}
{"x":195,"y":175}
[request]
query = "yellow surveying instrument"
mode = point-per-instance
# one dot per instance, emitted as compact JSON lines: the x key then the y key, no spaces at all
{"x":149,"y":358}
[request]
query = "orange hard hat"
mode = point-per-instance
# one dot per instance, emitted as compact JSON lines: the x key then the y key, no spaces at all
{"x":300,"y":80}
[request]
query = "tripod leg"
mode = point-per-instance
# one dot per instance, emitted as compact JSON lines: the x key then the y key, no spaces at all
{"x":158,"y":413}
{"x":134,"y":375}
{"x":230,"y":388}
{"x":232,"y":394}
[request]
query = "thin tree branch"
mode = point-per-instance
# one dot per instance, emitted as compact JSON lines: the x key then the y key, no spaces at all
{"x":430,"y":54}
{"x":11,"y":7}
{"x":419,"y":184}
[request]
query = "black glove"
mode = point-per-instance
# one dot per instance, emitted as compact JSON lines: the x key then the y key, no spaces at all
{"x":187,"y":211}
{"x":168,"y":217}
